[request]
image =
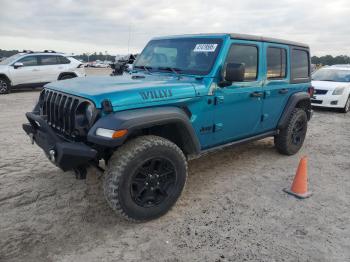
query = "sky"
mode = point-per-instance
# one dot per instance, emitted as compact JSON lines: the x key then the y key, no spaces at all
{"x":121,"y":27}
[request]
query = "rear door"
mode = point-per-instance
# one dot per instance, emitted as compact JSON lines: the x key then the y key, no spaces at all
{"x":239,"y":106}
{"x":276,"y":85}
{"x":51,"y":67}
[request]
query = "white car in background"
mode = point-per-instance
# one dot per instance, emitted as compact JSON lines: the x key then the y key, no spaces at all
{"x":33,"y":69}
{"x":332,"y":87}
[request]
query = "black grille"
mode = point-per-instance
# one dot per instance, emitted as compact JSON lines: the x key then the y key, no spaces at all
{"x":320,"y":92}
{"x":314,"y":101}
{"x":60,"y":110}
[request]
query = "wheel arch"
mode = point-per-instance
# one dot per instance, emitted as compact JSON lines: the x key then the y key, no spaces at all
{"x":4,"y":76}
{"x":297,"y":100}
{"x":171,"y":123}
{"x":66,"y":73}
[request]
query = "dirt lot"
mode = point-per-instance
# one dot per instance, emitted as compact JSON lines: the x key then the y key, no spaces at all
{"x":233,"y":207}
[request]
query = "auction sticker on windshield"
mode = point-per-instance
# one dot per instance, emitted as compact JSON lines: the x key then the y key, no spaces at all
{"x":205,"y":47}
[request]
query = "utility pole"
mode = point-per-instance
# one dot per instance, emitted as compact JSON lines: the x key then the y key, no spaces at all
{"x":129,"y":38}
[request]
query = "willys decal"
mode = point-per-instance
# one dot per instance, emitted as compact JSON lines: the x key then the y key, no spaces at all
{"x":156,"y":94}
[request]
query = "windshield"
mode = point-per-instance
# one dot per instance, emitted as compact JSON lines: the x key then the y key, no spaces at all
{"x":194,"y":56}
{"x":332,"y":75}
{"x":10,"y":60}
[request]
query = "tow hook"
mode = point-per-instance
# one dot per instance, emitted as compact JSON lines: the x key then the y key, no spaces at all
{"x":52,"y":155}
{"x":80,"y":173}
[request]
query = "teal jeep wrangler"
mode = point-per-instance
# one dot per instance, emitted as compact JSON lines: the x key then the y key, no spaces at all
{"x":187,"y":95}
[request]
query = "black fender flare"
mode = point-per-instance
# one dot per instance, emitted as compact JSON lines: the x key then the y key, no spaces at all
{"x":292,"y":103}
{"x":137,"y":119}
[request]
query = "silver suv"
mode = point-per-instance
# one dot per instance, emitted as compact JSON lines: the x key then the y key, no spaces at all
{"x":33,"y":69}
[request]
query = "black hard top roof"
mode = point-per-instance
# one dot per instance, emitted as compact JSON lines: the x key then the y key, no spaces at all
{"x":242,"y":37}
{"x":267,"y":39}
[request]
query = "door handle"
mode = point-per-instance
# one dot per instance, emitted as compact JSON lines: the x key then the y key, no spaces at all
{"x":256,"y":94}
{"x":283,"y":91}
{"x":35,"y":70}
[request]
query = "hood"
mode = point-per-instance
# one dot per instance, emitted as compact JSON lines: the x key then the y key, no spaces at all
{"x":328,"y":85}
{"x":3,"y":68}
{"x":124,"y":90}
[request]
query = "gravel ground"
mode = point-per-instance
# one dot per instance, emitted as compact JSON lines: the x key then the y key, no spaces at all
{"x":232,"y":209}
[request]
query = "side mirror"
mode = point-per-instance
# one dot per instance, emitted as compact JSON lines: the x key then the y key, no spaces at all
{"x":17,"y":65}
{"x":234,"y":72}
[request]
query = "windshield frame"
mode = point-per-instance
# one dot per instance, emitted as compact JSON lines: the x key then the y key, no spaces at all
{"x":331,"y":70}
{"x":220,"y":44}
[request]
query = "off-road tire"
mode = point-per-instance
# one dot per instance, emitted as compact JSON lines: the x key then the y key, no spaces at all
{"x":285,"y":142}
{"x":124,"y":163}
{"x":346,"y":108}
{"x":68,"y":76}
{"x":5,"y":86}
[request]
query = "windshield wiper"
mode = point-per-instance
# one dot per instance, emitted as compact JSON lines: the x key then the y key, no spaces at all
{"x":172,"y":69}
{"x":146,"y":68}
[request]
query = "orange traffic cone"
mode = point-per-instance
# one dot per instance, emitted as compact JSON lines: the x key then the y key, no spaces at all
{"x":299,"y":186}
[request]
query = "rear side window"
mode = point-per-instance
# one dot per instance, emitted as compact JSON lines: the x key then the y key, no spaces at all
{"x":48,"y":60}
{"x":300,"y":66}
{"x":276,"y":63}
{"x":29,"y":61}
{"x":246,"y":55}
{"x":63,"y":60}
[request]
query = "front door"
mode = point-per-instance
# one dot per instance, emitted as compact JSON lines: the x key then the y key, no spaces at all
{"x":238,"y":108}
{"x":29,"y":73}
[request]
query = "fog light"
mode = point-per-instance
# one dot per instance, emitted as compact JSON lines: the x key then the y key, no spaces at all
{"x":334,"y":103}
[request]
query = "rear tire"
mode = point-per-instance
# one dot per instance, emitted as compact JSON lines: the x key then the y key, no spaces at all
{"x":5,"y":86}
{"x":291,"y":138}
{"x":64,"y":77}
{"x":347,"y":106}
{"x":145,"y":177}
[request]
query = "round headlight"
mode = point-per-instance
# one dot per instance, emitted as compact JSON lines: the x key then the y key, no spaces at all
{"x":84,"y":114}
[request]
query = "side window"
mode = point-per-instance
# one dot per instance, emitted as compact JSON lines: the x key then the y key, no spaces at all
{"x":48,"y":60}
{"x":29,"y":61}
{"x":300,"y":65}
{"x":246,"y":55}
{"x":276,"y":63}
{"x":63,"y":60}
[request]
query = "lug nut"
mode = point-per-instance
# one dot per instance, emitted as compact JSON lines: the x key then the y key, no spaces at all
{"x":146,"y":184}
{"x":152,"y":188}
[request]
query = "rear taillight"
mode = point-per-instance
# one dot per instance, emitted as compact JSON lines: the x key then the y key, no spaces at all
{"x":311,"y":91}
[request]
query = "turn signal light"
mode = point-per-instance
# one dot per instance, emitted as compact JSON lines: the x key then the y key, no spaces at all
{"x":109,"y":133}
{"x":119,"y":133}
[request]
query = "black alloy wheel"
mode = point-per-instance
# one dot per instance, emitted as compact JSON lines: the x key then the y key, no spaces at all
{"x":153,"y":182}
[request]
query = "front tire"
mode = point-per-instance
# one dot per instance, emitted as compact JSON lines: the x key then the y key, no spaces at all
{"x":5,"y":86}
{"x":347,"y":106}
{"x":145,"y":177}
{"x":291,"y":138}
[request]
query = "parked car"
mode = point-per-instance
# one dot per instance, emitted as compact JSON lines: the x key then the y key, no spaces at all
{"x":187,"y":96}
{"x":33,"y":69}
{"x":332,"y":87}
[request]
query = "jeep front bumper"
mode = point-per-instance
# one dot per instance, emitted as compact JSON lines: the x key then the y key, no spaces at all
{"x":65,"y":155}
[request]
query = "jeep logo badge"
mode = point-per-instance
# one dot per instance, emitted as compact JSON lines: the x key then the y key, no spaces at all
{"x":157,"y":94}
